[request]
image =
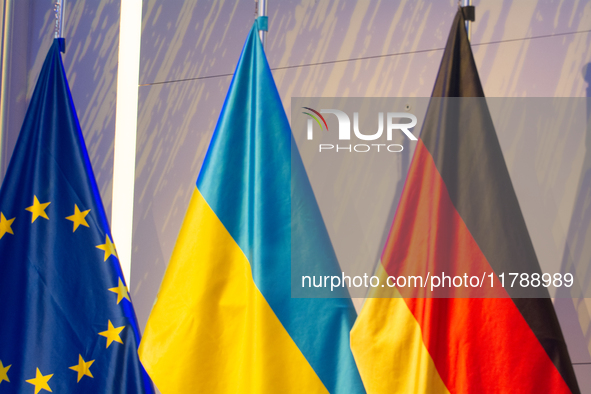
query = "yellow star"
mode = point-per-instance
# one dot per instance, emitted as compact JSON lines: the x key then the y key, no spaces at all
{"x":112,"y":334}
{"x":83,"y":368}
{"x":4,"y":372}
{"x":108,"y":247}
{"x":38,"y":209}
{"x":78,"y":217}
{"x":5,"y":225}
{"x":40,"y":382}
{"x":121,"y":291}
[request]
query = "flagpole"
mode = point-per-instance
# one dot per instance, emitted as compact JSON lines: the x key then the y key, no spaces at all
{"x":261,"y":7}
{"x":59,"y":18}
{"x":470,"y":11}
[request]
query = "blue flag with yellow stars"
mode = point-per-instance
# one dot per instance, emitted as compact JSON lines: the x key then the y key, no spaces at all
{"x":66,"y":319}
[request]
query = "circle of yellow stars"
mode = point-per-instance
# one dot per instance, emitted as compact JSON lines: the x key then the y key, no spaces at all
{"x":78,"y":218}
{"x":41,"y":382}
{"x":112,"y":334}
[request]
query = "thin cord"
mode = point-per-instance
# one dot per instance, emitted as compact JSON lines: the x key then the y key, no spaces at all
{"x":370,"y":57}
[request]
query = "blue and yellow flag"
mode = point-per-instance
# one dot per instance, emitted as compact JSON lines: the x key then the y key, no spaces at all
{"x":66,"y":319}
{"x":224,"y":320}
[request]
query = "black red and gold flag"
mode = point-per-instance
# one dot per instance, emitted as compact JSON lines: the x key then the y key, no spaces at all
{"x":459,"y":212}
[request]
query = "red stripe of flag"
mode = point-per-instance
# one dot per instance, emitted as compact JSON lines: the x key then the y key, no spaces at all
{"x":478,"y":345}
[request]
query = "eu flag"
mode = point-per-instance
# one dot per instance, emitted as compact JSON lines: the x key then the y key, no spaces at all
{"x":66,"y":319}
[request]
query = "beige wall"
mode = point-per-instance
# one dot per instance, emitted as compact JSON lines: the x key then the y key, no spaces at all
{"x":91,"y":29}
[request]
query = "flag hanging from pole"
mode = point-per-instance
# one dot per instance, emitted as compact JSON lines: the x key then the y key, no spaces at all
{"x":224,"y":320}
{"x":67,"y":321}
{"x":459,"y":210}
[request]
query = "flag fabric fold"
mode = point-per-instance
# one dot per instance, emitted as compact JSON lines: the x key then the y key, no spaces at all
{"x":459,"y":209}
{"x":68,"y":324}
{"x":224,"y":320}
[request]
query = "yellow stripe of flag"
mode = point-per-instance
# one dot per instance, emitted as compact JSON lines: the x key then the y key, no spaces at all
{"x":226,"y":337}
{"x":388,"y":347}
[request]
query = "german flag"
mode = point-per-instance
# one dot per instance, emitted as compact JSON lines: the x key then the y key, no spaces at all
{"x":459,"y":212}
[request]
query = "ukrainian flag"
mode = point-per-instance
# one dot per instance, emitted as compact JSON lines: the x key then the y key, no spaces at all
{"x":225,"y":320}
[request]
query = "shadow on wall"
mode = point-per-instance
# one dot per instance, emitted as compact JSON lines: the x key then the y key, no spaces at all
{"x":574,"y":305}
{"x":147,"y":277}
